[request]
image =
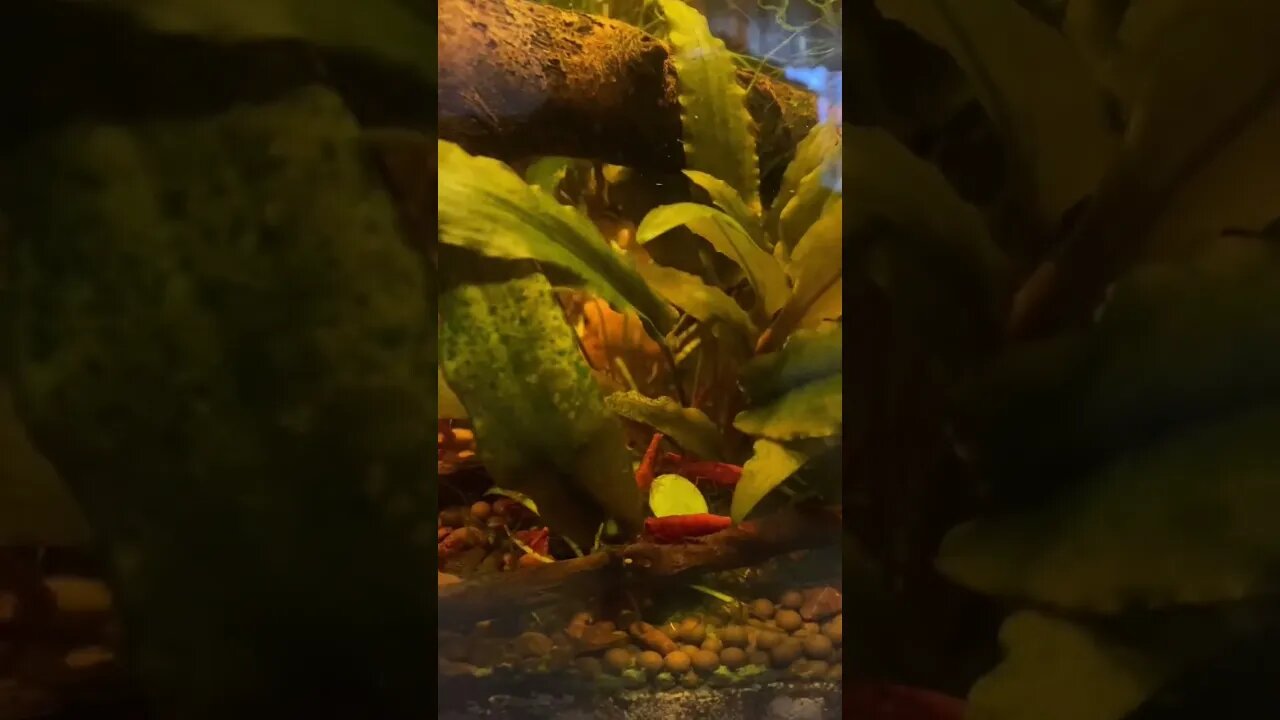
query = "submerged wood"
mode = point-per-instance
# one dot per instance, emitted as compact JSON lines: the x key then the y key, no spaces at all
{"x":523,"y":589}
{"x":520,"y":78}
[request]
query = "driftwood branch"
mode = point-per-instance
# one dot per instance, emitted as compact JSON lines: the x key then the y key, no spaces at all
{"x":520,"y":78}
{"x":642,"y":562}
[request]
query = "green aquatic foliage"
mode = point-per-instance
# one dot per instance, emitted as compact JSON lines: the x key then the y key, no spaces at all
{"x":1185,"y":520}
{"x":1055,"y":669}
{"x":546,"y":173}
{"x":728,"y":238}
{"x":689,"y":428}
{"x":705,"y":303}
{"x":719,"y":137}
{"x":813,"y":410}
{"x":817,"y":270}
{"x":1175,"y":345}
{"x":1034,"y":87}
{"x":673,"y":495}
{"x":816,"y":154}
{"x":771,"y":463}
{"x":220,"y":341}
{"x":398,"y":31}
{"x":728,"y":200}
{"x":486,"y":207}
{"x":36,"y":508}
{"x":808,"y":355}
{"x":540,"y":421}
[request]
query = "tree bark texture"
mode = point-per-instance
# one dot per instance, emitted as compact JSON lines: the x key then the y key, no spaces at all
{"x":519,"y":78}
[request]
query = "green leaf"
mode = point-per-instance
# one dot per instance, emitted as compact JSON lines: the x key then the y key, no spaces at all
{"x":36,"y":509}
{"x":728,"y":200}
{"x":1201,"y":154}
{"x":223,"y":341}
{"x":1049,"y":661}
{"x":706,"y":304}
{"x":807,"y":356}
{"x":719,"y":137}
{"x":812,"y":410}
{"x":674,"y":495}
{"x":448,"y":406}
{"x":546,"y":173}
{"x":771,"y":463}
{"x":1183,"y":521}
{"x":1204,"y":147}
{"x":817,"y":268}
{"x":812,"y":195}
{"x":1176,"y":344}
{"x":1034,"y":86}
{"x":392,"y":30}
{"x":689,"y":428}
{"x":812,"y":153}
{"x":484,"y":206}
{"x":729,"y":239}
{"x":541,"y":425}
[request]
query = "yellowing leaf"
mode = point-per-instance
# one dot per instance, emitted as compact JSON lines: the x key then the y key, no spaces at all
{"x":1034,"y":86}
{"x":689,"y":428}
{"x":719,"y":137}
{"x":729,"y":239}
{"x":816,"y":267}
{"x":1184,"y":521}
{"x":728,"y":200}
{"x":812,"y":153}
{"x":771,"y":463}
{"x":813,"y":410}
{"x":674,"y":495}
{"x":812,"y":195}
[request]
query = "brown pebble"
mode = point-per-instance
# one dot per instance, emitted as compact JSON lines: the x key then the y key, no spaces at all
{"x":481,"y":510}
{"x":835,"y":673}
{"x":678,"y":661}
{"x":650,"y":661}
{"x":789,"y":620}
{"x":762,"y":609}
{"x":689,"y":649}
{"x":690,"y":680}
{"x":733,"y":657}
{"x":787,"y":652}
{"x":617,"y":659}
{"x":792,"y":600}
{"x":768,"y":639}
{"x":734,"y":635}
{"x":693,"y":632}
{"x":817,"y":647}
{"x":816,"y":670}
{"x":534,"y":644}
{"x":758,"y":657}
{"x":714,"y":644}
{"x":705,"y":661}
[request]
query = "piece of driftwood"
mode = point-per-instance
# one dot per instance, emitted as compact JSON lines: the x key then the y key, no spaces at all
{"x":520,"y":78}
{"x":638,"y":563}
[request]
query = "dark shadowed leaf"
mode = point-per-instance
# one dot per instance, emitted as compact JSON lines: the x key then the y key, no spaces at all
{"x":689,"y":428}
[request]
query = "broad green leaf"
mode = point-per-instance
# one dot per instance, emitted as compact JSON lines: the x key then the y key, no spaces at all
{"x":541,"y":425}
{"x":1176,"y":344}
{"x":707,"y":304}
{"x":448,"y":406}
{"x":812,"y":153}
{"x":674,"y":495}
{"x":816,"y":267}
{"x":1055,"y":669}
{"x":1186,"y":520}
{"x":36,"y":509}
{"x":812,"y":410}
{"x":393,"y":30}
{"x":728,"y":200}
{"x":771,"y":463}
{"x":729,"y":239}
{"x":222,"y":340}
{"x":689,"y":428}
{"x":1034,"y":86}
{"x":814,"y":191}
{"x":484,"y":206}
{"x":546,"y":173}
{"x":1200,"y":156}
{"x":807,"y":356}
{"x":719,"y":137}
